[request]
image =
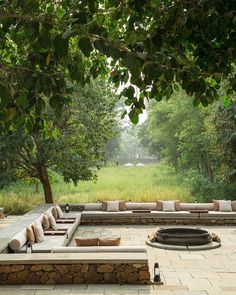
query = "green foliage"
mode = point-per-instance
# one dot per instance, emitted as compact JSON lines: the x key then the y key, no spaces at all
{"x":195,"y":139}
{"x":78,"y":144}
{"x":151,"y":44}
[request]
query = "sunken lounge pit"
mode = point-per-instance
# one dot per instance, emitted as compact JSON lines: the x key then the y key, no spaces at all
{"x":183,"y":238}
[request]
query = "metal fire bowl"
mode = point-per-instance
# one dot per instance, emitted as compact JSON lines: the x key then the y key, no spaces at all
{"x":183,"y":236}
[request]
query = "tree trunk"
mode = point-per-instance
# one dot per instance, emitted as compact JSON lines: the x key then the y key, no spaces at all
{"x":46,"y":184}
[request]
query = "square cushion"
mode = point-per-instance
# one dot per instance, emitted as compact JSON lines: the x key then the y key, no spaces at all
{"x":225,"y":206}
{"x":109,"y":241}
{"x":52,"y":221}
{"x":30,"y":235}
{"x":168,"y":206}
{"x":54,"y":212}
{"x":80,"y":242}
{"x":233,"y":205}
{"x":122,"y":205}
{"x":59,"y":211}
{"x":216,"y":205}
{"x":45,"y":221}
{"x":159,"y":205}
{"x":38,"y":232}
{"x":112,"y":206}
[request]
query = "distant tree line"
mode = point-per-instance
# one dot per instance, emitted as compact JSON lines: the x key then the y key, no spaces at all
{"x":198,"y":141}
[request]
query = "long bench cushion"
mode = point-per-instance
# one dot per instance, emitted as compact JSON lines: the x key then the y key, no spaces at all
{"x":96,"y":249}
{"x":196,"y":206}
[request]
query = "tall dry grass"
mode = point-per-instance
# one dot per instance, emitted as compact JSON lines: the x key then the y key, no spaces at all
{"x":141,"y":184}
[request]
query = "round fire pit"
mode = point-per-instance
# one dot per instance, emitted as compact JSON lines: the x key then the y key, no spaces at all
{"x":183,"y":236}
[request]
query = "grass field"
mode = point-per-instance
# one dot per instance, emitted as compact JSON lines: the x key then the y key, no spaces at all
{"x":142,"y":184}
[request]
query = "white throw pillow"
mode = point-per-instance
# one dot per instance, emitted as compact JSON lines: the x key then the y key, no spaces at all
{"x":112,"y":206}
{"x":168,"y":206}
{"x":38,"y":232}
{"x":225,"y":206}
{"x":52,"y":221}
{"x":59,"y":211}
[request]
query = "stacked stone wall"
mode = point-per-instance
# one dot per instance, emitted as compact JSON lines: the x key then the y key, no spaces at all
{"x":104,"y":273}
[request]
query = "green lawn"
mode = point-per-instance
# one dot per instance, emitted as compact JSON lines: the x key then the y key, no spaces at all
{"x":140,"y":184}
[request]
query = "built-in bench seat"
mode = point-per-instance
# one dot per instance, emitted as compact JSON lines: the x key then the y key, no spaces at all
{"x":100,"y":249}
{"x":17,"y":241}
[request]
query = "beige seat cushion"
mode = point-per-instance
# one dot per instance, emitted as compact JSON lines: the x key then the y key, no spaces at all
{"x":38,"y":232}
{"x":159,"y":206}
{"x":109,"y":241}
{"x":225,"y":206}
{"x":122,"y":206}
{"x":233,"y":204}
{"x":112,"y":206}
{"x":216,"y":205}
{"x":45,"y":221}
{"x":54,"y":212}
{"x":168,"y":206}
{"x":52,"y":221}
{"x":80,"y":242}
{"x":59,"y":211}
{"x":30,"y":235}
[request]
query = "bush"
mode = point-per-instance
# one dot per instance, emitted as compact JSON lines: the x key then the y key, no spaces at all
{"x":204,"y":190}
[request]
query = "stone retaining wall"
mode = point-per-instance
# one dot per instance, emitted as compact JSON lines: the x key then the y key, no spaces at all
{"x":156,"y":221}
{"x":108,"y":273}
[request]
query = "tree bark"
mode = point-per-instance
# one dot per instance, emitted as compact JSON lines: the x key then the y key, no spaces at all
{"x":46,"y":184}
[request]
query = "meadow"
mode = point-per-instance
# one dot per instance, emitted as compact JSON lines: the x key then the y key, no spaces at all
{"x":141,"y":184}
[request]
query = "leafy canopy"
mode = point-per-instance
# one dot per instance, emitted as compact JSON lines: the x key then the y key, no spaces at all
{"x":154,"y":45}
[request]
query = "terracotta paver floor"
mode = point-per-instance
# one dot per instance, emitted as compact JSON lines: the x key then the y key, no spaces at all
{"x":210,"y":272}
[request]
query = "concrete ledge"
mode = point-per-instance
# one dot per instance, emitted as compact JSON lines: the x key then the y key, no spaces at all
{"x":68,"y":258}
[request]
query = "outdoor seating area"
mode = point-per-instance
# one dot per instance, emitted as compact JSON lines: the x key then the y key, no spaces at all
{"x":69,"y":255}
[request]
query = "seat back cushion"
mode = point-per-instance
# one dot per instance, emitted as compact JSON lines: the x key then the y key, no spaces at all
{"x":81,"y":242}
{"x":30,"y":235}
{"x":59,"y":211}
{"x":109,"y":241}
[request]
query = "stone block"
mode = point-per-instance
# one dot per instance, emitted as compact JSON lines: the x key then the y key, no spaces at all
{"x":36,"y":267}
{"x":66,"y":279}
{"x":93,"y":277}
{"x":105,"y":268}
{"x":110,"y":278}
{"x":62,"y":269}
{"x":33,"y":279}
{"x":132,"y":278}
{"x":47,"y":267}
{"x":84,"y":268}
{"x":144,"y":275}
{"x":130,"y":268}
{"x":17,"y":268}
{"x":120,"y":268}
{"x":121,"y":277}
{"x":5,"y":269}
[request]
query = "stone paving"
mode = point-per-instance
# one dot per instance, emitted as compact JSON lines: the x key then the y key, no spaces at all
{"x":211,"y":272}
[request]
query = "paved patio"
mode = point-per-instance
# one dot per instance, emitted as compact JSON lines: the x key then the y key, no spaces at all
{"x":209,"y":272}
